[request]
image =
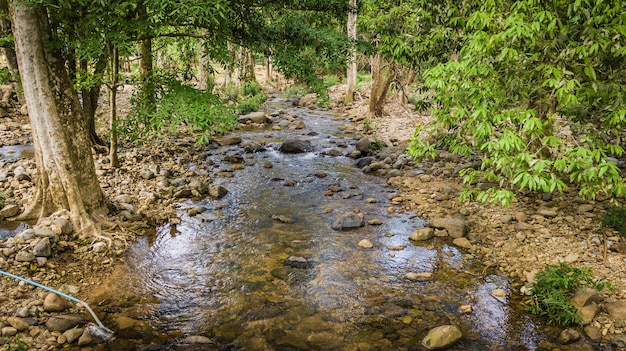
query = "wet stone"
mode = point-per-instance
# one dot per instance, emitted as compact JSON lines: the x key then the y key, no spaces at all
{"x":348,"y":221}
{"x":442,"y":337}
{"x":62,"y":323}
{"x":297,"y":262}
{"x":569,"y":336}
{"x":422,"y":234}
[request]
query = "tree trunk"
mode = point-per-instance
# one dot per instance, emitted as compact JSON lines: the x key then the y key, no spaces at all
{"x":66,"y":176}
{"x":90,"y":103}
{"x":410,"y":77}
{"x":147,"y":74}
{"x":351,"y":71}
{"x":380,"y":85}
{"x":113,"y":109}
{"x":268,"y":67}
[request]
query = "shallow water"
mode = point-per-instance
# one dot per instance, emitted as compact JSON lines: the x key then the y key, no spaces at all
{"x":220,"y":281}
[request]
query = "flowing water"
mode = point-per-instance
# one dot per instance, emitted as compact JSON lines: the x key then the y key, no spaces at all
{"x":223,"y":280}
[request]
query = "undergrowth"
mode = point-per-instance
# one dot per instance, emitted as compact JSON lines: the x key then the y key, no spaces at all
{"x":554,"y":286}
{"x":616,"y":218}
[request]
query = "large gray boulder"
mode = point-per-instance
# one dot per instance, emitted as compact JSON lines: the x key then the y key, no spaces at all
{"x":454,"y":226}
{"x":296,"y":146}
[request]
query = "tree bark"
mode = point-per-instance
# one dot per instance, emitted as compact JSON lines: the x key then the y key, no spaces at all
{"x":114,"y":162}
{"x":352,"y":69}
{"x":66,"y":176}
{"x":90,"y":103}
{"x":380,"y":85}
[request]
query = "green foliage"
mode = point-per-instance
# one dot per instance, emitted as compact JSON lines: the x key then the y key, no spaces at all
{"x":296,"y":90}
{"x":554,"y":286}
{"x":251,"y":104}
{"x":5,"y":76}
{"x":526,"y":71}
{"x":251,"y":88}
{"x":176,"y":104}
{"x":615,"y":218}
{"x":330,"y":80}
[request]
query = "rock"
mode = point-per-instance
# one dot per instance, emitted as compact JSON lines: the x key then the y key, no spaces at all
{"x":467,"y":309}
{"x":18,"y":323}
{"x":588,"y":313}
{"x":593,"y":332}
{"x":619,"y":340}
{"x":498,"y":293}
{"x":147,"y":174}
{"x":86,"y":339}
{"x":454,"y":226}
{"x":348,"y":221}
{"x":365,"y":244}
{"x":364,"y":161}
{"x":547,"y":213}
{"x":54,"y":303}
{"x":99,"y":246}
{"x":307,"y":100}
{"x":442,"y":337}
{"x":182,"y":194}
{"x":571,"y":257}
{"x":506,"y":219}
{"x":418,"y":276}
{"x":282,"y":219}
{"x":297,"y":262}
{"x":42,"y":248}
{"x":199,"y":186}
{"x":9,"y":331}
{"x":64,"y":225}
{"x":375,"y":221}
{"x":584,"y":296}
{"x":73,"y":334}
{"x":9,"y":211}
{"x":325,"y":341}
{"x":24,"y":256}
{"x":197,"y":339}
{"x":569,"y":336}
{"x":523,"y":226}
{"x":585,"y":208}
{"x":217,"y":191}
{"x":422,"y":234}
{"x":296,"y":146}
{"x":257,"y":117}
{"x":363,"y":145}
{"x":299,"y":124}
{"x":617,"y":310}
{"x":228,"y":140}
{"x":462,"y":242}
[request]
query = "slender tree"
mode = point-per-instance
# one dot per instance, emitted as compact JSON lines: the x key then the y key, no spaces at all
{"x":352,"y":67}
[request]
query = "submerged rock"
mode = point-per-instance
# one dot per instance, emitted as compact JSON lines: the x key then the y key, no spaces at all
{"x":348,"y":221}
{"x":442,"y":337}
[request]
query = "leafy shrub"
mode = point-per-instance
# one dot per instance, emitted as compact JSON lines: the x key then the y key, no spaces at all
{"x":5,"y":76}
{"x":251,"y":89}
{"x":331,"y":80}
{"x":554,"y":286}
{"x":616,"y":218}
{"x":176,"y":104}
{"x":251,"y":104}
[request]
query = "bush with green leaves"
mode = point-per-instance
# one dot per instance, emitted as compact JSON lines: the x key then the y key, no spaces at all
{"x":176,"y":104}
{"x":537,"y":94}
{"x":251,"y":104}
{"x":553,"y":288}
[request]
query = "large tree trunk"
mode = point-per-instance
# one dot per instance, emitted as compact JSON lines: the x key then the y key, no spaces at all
{"x":114,"y":161}
{"x":66,"y":177}
{"x":351,"y":71}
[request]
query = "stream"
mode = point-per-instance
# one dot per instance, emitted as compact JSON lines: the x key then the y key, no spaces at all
{"x":234,"y":278}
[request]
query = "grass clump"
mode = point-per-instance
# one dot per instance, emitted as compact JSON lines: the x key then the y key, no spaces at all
{"x":615,"y":218}
{"x":555,"y":285}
